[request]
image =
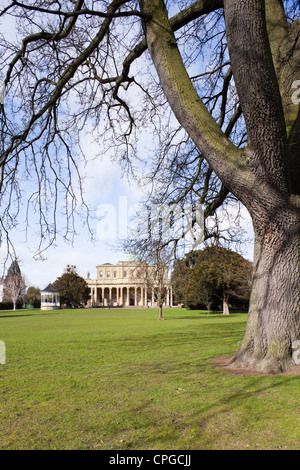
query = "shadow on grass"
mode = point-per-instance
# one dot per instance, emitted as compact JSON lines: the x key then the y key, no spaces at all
{"x":202,"y":314}
{"x":219,"y":423}
{"x":27,"y":313}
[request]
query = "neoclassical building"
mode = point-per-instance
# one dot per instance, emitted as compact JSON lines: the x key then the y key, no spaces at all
{"x":127,"y":283}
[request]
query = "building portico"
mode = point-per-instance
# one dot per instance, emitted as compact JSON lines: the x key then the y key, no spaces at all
{"x":124,"y":284}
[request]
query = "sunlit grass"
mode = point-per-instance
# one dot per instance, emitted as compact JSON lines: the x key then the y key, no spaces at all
{"x":122,"y":379}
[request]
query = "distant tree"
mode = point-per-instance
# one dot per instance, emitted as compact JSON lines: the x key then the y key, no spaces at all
{"x":33,"y":296}
{"x":14,"y":289}
{"x":233,"y":274}
{"x":213,"y":273}
{"x":179,"y":280}
{"x":72,"y":288}
{"x":154,"y":263}
{"x":14,"y":285}
{"x":180,"y":275}
{"x":71,"y":268}
{"x":201,"y":287}
{"x":156,"y":272}
{"x":14,"y":269}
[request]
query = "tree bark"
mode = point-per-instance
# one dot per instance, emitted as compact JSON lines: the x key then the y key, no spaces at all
{"x":274,"y":314}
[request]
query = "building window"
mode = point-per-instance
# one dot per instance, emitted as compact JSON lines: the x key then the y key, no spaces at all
{"x":101,"y":274}
{"x":115,"y":273}
{"x":108,"y":274}
{"x":125,"y":273}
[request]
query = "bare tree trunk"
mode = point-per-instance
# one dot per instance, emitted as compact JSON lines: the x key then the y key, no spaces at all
{"x":225,"y":303}
{"x":274,"y":313}
{"x":160,"y":316}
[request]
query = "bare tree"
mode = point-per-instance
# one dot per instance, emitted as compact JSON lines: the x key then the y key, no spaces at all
{"x":157,"y":277}
{"x":153,"y":269}
{"x":14,"y":288}
{"x":76,"y":66}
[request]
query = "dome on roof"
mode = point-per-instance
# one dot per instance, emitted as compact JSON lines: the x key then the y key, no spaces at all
{"x":132,"y":256}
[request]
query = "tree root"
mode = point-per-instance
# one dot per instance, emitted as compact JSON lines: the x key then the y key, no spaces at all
{"x":242,"y":367}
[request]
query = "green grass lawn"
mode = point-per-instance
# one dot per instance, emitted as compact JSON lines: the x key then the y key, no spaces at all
{"x":122,"y":379}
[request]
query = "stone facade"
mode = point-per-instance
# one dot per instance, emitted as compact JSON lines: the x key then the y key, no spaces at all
{"x":126,"y":284}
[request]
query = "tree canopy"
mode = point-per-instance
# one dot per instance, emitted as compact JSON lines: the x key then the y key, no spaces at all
{"x":33,"y":296}
{"x":14,"y":269}
{"x":14,"y":287}
{"x":214,"y":87}
{"x":212,"y":276}
{"x":73,"y":289}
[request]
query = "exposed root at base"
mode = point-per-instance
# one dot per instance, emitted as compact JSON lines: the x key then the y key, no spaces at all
{"x":231,"y":366}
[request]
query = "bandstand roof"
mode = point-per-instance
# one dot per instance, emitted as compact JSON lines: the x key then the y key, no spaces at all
{"x":50,"y":288}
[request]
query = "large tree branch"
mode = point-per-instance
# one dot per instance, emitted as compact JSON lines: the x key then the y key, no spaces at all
{"x":258,"y":91}
{"x":72,"y":14}
{"x":65,"y":78}
{"x":284,"y":40}
{"x":285,"y":46}
{"x":43,"y":35}
{"x":181,"y":19}
{"x":226,"y":160}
